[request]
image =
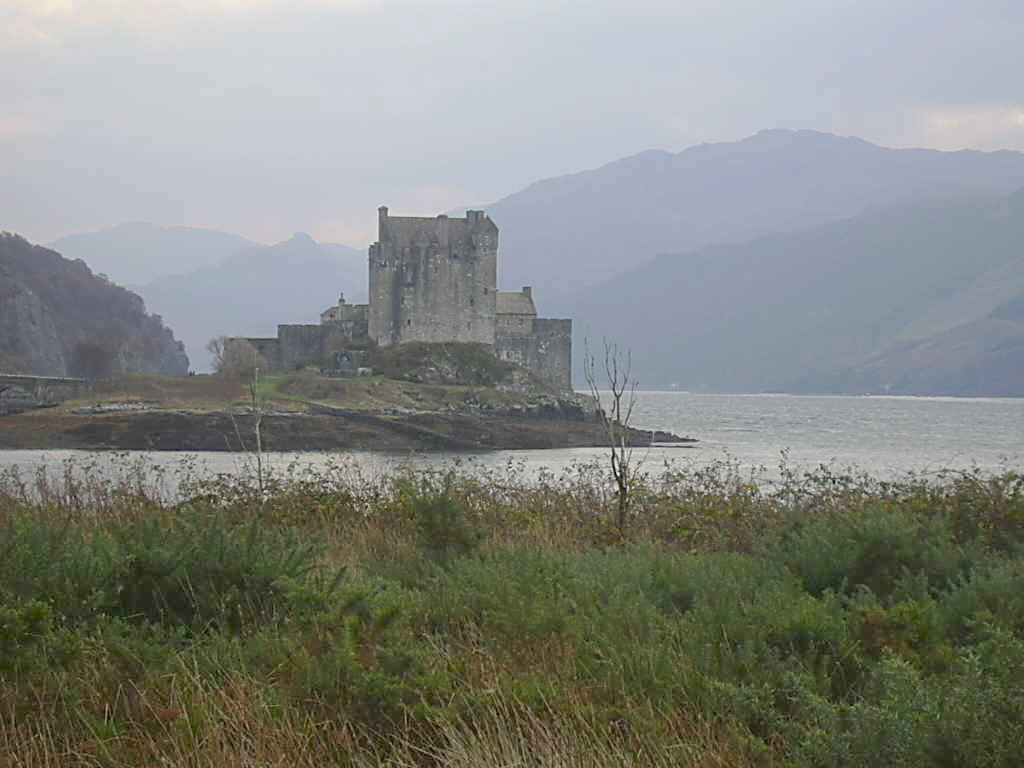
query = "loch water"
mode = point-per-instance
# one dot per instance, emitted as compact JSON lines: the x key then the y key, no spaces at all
{"x":883,"y":436}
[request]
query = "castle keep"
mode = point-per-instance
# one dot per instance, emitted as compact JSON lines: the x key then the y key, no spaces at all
{"x":433,"y":280}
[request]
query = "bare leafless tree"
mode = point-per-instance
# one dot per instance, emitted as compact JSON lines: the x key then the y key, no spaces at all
{"x":257,"y":410}
{"x":215,"y":347}
{"x":235,"y":358}
{"x":615,"y":418}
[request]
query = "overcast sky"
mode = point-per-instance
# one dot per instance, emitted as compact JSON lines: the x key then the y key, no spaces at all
{"x":264,"y":117}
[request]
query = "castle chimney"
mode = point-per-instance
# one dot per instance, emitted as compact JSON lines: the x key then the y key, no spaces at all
{"x":528,"y":291}
{"x":382,"y":217}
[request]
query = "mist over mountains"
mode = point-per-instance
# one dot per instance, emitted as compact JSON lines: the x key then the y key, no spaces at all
{"x":572,"y":231}
{"x":205,"y":283}
{"x":922,"y":298}
{"x":137,"y":253}
{"x":251,"y":292}
{"x":791,"y":260}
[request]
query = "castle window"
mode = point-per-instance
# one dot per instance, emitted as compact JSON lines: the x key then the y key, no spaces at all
{"x":408,"y":323}
{"x":472,"y":302}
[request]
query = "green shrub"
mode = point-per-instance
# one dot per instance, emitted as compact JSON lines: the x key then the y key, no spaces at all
{"x":201,"y":569}
{"x":22,"y":625}
{"x":981,"y":712}
{"x":204,"y":569}
{"x":360,"y":660}
{"x":57,"y":563}
{"x":443,"y":528}
{"x":987,"y":509}
{"x":873,"y":549}
{"x":993,"y":595}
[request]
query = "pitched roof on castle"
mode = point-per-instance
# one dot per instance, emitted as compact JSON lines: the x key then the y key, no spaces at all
{"x":515,"y":303}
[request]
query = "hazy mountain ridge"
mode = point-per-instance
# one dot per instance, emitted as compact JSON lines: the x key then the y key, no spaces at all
{"x":57,"y":319}
{"x":253,"y":291}
{"x":770,"y":229}
{"x":572,"y":231}
{"x":845,"y":307}
{"x":980,"y":358}
{"x":136,"y":253}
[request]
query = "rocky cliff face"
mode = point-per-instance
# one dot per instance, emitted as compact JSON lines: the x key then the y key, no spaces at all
{"x":59,"y":319}
{"x":28,"y":333}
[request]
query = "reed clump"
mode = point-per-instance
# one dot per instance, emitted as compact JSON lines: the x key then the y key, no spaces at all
{"x":490,"y":618}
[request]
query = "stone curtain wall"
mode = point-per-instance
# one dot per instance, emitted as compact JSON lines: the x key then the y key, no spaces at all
{"x":553,"y":355}
{"x":297,"y":346}
{"x":269,"y":350}
{"x":547,"y":352}
{"x":303,"y":345}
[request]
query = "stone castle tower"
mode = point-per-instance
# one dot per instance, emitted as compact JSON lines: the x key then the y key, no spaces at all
{"x":433,"y":279}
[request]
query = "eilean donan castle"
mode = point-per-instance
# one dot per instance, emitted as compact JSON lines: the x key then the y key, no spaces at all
{"x":434,"y":279}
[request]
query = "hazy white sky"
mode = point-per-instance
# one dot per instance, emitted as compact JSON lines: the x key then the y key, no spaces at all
{"x":264,"y":117}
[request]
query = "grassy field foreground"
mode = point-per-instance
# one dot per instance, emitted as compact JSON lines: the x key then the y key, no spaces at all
{"x":439,"y":619}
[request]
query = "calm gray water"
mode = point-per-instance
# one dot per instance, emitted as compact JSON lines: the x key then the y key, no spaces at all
{"x":884,"y":436}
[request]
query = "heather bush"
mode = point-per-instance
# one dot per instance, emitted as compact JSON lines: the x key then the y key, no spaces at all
{"x":873,"y":549}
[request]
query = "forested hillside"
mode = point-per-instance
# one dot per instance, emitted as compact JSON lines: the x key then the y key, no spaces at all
{"x":57,"y":318}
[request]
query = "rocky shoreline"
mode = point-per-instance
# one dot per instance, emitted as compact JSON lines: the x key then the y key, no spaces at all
{"x":324,"y":430}
{"x":299,"y":413}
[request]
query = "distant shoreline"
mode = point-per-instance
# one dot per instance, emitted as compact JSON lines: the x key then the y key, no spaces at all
{"x":867,"y":395}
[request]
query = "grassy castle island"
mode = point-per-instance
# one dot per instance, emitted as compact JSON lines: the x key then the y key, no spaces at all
{"x":439,"y":359}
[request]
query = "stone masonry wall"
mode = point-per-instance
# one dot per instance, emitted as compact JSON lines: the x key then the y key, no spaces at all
{"x":353,"y":321}
{"x":433,"y":279}
{"x":269,"y":350}
{"x":547,"y":352}
{"x":514,"y":325}
{"x":303,"y":345}
{"x":297,"y":346}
